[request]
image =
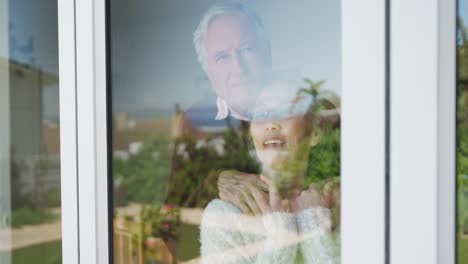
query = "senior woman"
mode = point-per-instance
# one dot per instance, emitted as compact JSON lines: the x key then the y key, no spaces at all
{"x":290,"y":224}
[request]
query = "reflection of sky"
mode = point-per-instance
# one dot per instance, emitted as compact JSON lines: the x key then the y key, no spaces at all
{"x":154,"y":62}
{"x":153,"y":59}
{"x":463,"y":10}
{"x":33,"y":40}
{"x":36,"y":20}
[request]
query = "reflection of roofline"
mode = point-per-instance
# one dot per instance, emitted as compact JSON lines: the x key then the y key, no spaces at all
{"x":47,"y":77}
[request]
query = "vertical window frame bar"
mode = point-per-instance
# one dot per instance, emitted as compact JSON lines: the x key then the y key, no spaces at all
{"x":92,"y":131}
{"x":423,"y":131}
{"x":68,"y":131}
{"x":363,"y":131}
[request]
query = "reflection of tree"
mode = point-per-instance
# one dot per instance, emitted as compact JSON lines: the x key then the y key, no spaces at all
{"x":324,"y":154}
{"x":195,"y":172}
{"x":313,"y":89}
{"x":143,"y":177}
{"x":321,"y":99}
{"x":183,"y":172}
{"x":324,"y":157}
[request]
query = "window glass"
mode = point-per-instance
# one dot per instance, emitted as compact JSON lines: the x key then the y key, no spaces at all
{"x":30,"y":222}
{"x":462,"y":131}
{"x":225,"y":131}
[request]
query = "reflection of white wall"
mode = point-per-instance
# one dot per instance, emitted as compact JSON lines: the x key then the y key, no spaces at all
{"x":4,"y":133}
{"x":26,"y":123}
{"x":26,"y":111}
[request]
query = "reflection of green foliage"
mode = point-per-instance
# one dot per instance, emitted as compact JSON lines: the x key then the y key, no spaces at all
{"x":52,"y":197}
{"x":462,"y":139}
{"x":194,"y":179}
{"x":158,"y":221}
{"x":144,"y":176}
{"x":324,"y":158}
{"x":187,"y":179}
{"x":315,"y":90}
{"x":44,"y":253}
{"x":30,"y":216}
{"x":462,"y":51}
{"x":462,"y":109}
{"x":38,"y":198}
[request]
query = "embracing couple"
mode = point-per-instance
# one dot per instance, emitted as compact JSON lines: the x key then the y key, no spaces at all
{"x":271,"y":217}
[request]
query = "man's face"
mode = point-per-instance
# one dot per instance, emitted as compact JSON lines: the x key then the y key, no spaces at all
{"x":236,"y":60}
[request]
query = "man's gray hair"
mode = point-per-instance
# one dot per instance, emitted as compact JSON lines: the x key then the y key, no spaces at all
{"x":219,"y":9}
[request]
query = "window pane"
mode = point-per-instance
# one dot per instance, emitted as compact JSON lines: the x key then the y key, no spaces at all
{"x":226,"y":131}
{"x":462,"y":131}
{"x":30,"y":225}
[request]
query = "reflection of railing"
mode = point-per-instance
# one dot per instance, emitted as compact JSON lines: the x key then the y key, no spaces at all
{"x":123,"y":247}
{"x":126,"y":251}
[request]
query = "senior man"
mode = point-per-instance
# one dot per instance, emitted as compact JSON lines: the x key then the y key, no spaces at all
{"x":233,"y":49}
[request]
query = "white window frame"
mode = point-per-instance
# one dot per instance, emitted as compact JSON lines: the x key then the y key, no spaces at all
{"x":363,"y":131}
{"x":83,"y":134}
{"x":68,"y":131}
{"x":423,"y":101}
{"x":84,"y":153}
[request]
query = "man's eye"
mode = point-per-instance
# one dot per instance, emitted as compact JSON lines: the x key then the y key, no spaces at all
{"x":222,"y":59}
{"x":246,"y":49}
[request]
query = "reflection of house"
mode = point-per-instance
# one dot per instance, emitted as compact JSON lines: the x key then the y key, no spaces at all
{"x":30,"y":135}
{"x":123,"y":121}
{"x":183,"y":127}
{"x":129,"y":133}
{"x":51,"y":137}
{"x":26,"y":115}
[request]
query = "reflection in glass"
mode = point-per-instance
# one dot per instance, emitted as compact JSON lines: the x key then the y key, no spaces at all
{"x":462,"y":132}
{"x":30,"y":226}
{"x":225,"y":132}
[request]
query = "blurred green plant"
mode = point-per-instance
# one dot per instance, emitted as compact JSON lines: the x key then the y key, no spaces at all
{"x":143,"y":178}
{"x":195,"y":173}
{"x":31,"y":216}
{"x":156,"y":222}
{"x":184,"y":171}
{"x":462,"y":138}
{"x":324,"y":158}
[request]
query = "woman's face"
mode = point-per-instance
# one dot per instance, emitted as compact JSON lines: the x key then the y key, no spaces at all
{"x":277,"y":141}
{"x":278,"y":125}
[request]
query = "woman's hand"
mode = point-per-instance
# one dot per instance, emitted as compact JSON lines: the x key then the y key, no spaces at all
{"x":309,"y":198}
{"x":245,"y":191}
{"x":275,"y":203}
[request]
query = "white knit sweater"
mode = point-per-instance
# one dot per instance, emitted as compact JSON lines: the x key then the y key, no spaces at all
{"x":229,"y":236}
